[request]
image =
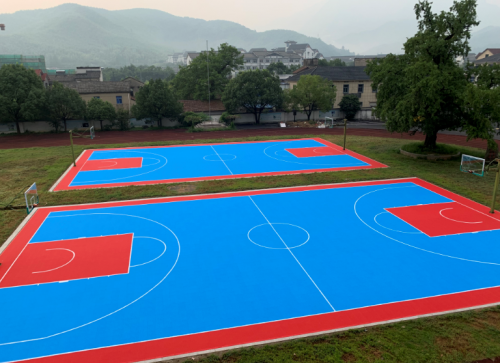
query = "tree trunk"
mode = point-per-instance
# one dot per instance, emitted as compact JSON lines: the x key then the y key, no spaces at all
{"x":257,"y":117}
{"x":18,"y":128}
{"x":491,"y":151}
{"x":430,"y":140}
{"x":308,"y":113}
{"x":65,"y":126}
{"x":101,"y":124}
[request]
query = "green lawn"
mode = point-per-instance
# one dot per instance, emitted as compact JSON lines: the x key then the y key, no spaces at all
{"x":455,"y":338}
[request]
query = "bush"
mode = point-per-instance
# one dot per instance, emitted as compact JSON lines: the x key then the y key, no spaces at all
{"x":419,"y":148}
{"x":350,"y":105}
{"x":191,"y":119}
{"x":123,"y":120}
{"x":228,"y":119}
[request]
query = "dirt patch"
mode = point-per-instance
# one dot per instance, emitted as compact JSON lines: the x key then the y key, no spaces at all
{"x":183,"y":188}
{"x":302,"y":124}
{"x":348,"y":357}
{"x":458,"y":343}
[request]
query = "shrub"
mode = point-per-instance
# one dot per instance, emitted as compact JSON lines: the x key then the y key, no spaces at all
{"x":350,"y":105}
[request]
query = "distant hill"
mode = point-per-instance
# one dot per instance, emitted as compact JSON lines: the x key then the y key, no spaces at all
{"x":488,"y":37}
{"x":71,"y":35}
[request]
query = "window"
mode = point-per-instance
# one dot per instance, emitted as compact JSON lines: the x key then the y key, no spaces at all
{"x":374,"y":89}
{"x":97,"y":97}
{"x":346,"y":88}
{"x":119,"y":100}
{"x":361,"y":88}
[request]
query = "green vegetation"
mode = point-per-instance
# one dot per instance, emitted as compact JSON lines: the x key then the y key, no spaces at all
{"x":191,"y":83}
{"x":142,"y":73}
{"x":255,"y":91}
{"x":350,"y":105}
{"x":425,"y":88}
{"x":420,"y":148}
{"x":332,"y":63}
{"x":63,"y":104}
{"x":100,"y":110}
{"x":157,"y":101}
{"x":312,"y":93}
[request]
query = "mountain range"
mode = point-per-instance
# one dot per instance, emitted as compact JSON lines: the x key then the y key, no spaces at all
{"x":72,"y":35}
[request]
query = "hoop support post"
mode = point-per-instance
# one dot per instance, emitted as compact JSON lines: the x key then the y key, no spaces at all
{"x":72,"y":151}
{"x":345,"y":131}
{"x":497,"y":181}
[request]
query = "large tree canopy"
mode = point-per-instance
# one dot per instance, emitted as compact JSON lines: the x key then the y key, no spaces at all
{"x":63,"y":104}
{"x":142,"y":73}
{"x":100,"y":110}
{"x":156,"y":100}
{"x":192,"y":81}
{"x":21,"y":94}
{"x":313,"y":93}
{"x":255,"y":91}
{"x":424,"y":88}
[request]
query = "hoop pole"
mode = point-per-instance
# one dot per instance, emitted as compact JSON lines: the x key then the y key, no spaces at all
{"x":72,"y":151}
{"x":345,"y":131}
{"x":497,"y":181}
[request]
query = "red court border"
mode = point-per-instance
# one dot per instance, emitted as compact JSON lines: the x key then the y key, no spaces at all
{"x":264,"y":332}
{"x":70,"y":174}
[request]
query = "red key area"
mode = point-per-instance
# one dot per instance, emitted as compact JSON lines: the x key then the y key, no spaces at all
{"x":112,"y":164}
{"x":309,"y":152}
{"x":444,"y":219}
{"x":73,"y":259}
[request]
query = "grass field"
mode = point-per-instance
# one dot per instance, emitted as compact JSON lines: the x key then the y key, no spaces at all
{"x":455,"y":338}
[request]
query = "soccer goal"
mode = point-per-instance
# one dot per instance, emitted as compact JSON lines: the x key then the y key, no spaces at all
{"x":472,"y":165}
{"x":31,"y":197}
{"x":329,"y":120}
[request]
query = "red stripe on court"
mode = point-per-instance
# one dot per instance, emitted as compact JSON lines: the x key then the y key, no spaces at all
{"x":112,"y":164}
{"x":64,"y":184}
{"x":65,"y":260}
{"x":226,"y":338}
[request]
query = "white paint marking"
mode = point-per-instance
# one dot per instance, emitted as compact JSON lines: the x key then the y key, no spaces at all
{"x":215,"y":151}
{"x":453,"y":220}
{"x":164,"y":249}
{"x":57,"y":268}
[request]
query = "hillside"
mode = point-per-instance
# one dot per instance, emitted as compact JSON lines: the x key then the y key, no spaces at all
{"x":70,"y":35}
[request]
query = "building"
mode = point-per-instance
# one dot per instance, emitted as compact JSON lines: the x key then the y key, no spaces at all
{"x":304,"y":50}
{"x":493,"y":59}
{"x":135,"y":85}
{"x":44,"y":76}
{"x":116,"y":93}
{"x":29,"y":61}
{"x":487,"y":53}
{"x":347,"y":80}
{"x":82,"y":74}
{"x":263,"y":59}
{"x":178,"y":58}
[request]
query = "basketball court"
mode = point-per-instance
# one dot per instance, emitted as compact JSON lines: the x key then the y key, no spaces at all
{"x":169,"y":277}
{"x":187,"y":163}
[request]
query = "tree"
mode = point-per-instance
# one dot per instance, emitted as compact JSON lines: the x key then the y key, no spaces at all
{"x":21,"y":94}
{"x":63,"y":104}
{"x":192,"y":83}
{"x":482,"y":106}
{"x":156,"y":100}
{"x":331,"y":63}
{"x":255,"y":91}
{"x":123,"y":119}
{"x":313,"y":93}
{"x":100,"y":110}
{"x":350,"y":105}
{"x":142,"y":73}
{"x":424,"y":88}
{"x":278,"y":68}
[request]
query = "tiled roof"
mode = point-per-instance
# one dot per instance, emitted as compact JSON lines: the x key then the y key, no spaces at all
{"x":298,"y":46}
{"x":492,"y":50}
{"x":99,"y":87}
{"x":202,"y":106}
{"x":333,"y":73}
{"x":257,"y":50}
{"x":491,"y":59}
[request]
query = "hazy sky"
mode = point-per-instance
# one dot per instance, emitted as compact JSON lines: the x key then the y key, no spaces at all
{"x":256,"y":14}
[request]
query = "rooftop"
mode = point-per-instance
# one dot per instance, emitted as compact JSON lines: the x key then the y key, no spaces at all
{"x":99,"y":87}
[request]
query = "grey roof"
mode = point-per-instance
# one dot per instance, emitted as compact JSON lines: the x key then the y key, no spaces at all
{"x":279,"y":49}
{"x":88,"y":76}
{"x":99,"y":87}
{"x":334,"y":73}
{"x":257,"y":50}
{"x":491,"y":59}
{"x":298,"y":46}
{"x":253,"y":55}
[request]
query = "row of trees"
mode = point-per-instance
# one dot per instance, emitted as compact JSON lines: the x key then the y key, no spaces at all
{"x":23,"y":97}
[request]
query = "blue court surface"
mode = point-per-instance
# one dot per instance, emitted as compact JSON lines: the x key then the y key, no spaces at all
{"x":138,"y":280}
{"x":169,"y":164}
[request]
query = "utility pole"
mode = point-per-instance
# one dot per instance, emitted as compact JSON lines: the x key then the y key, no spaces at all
{"x":208,"y":83}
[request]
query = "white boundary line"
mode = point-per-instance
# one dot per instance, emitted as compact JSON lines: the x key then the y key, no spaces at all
{"x":66,"y":172}
{"x":289,"y":250}
{"x":17,"y":230}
